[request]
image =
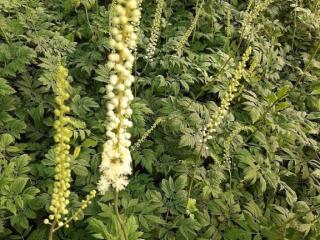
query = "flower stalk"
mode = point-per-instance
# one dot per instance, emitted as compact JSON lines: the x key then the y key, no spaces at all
{"x":146,"y":134}
{"x":60,"y":195}
{"x":187,"y":34}
{"x":116,"y":157}
{"x":155,"y":31}
{"x":219,"y":115}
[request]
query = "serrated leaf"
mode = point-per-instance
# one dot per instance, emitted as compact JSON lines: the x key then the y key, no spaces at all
{"x":18,"y":185}
{"x":80,"y":170}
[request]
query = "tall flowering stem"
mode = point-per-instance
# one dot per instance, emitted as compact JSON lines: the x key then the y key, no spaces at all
{"x":228,"y":28}
{"x":218,"y":116}
{"x":116,"y":157}
{"x":146,"y":134}
{"x":62,"y":137}
{"x":187,"y":34}
{"x":155,"y":30}
{"x":249,"y":17}
{"x":60,"y":196}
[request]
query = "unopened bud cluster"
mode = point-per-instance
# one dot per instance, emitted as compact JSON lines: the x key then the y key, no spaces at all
{"x":146,"y":134}
{"x":187,"y":34}
{"x":116,"y":157}
{"x":155,"y":31}
{"x":218,"y":116}
{"x":62,"y":137}
{"x":111,"y":13}
{"x":229,"y":30}
{"x":249,"y":17}
{"x":84,"y":204}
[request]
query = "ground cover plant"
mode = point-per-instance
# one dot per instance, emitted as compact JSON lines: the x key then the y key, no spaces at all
{"x":160,"y":119}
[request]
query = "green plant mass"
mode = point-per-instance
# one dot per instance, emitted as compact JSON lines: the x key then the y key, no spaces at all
{"x":160,"y":119}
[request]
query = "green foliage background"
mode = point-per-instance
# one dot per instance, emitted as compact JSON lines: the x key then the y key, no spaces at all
{"x":273,"y":192}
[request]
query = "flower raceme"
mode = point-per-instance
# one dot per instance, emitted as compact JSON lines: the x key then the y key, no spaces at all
{"x":249,"y":17}
{"x":229,"y":28}
{"x":146,"y":134}
{"x":187,"y":34}
{"x":60,"y":196}
{"x":62,"y":137}
{"x":155,"y":30}
{"x":218,"y":116}
{"x":116,"y":157}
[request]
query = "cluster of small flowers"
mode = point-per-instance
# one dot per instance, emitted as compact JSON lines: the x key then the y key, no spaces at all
{"x":137,"y":26}
{"x":155,"y":31}
{"x":146,"y":134}
{"x":75,"y":216}
{"x":187,"y":34}
{"x":62,"y":137}
{"x":84,"y":205}
{"x":250,"y":16}
{"x":116,"y":157}
{"x":111,"y":12}
{"x":217,"y":118}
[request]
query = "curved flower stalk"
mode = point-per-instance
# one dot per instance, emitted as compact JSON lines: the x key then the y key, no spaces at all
{"x":116,"y":157}
{"x":76,"y":215}
{"x":62,"y":137}
{"x":218,"y":116}
{"x":146,"y":134}
{"x":155,"y":31}
{"x":249,"y":17}
{"x":187,"y":34}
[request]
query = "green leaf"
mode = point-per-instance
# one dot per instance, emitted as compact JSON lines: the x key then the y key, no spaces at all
{"x":5,"y":140}
{"x":5,"y":88}
{"x":148,"y":159}
{"x":18,"y":185}
{"x":11,"y":207}
{"x":97,"y":226}
{"x":281,"y":106}
{"x":181,"y":182}
{"x":80,"y":170}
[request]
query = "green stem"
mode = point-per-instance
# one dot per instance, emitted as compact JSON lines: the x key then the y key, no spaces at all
{"x":88,"y":20}
{"x":195,"y":168}
{"x":116,"y":209}
{"x":51,"y":231}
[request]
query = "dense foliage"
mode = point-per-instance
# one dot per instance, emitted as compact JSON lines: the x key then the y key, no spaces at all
{"x":258,"y":177}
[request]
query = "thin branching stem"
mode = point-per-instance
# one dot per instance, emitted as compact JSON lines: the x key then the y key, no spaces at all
{"x":51,"y":231}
